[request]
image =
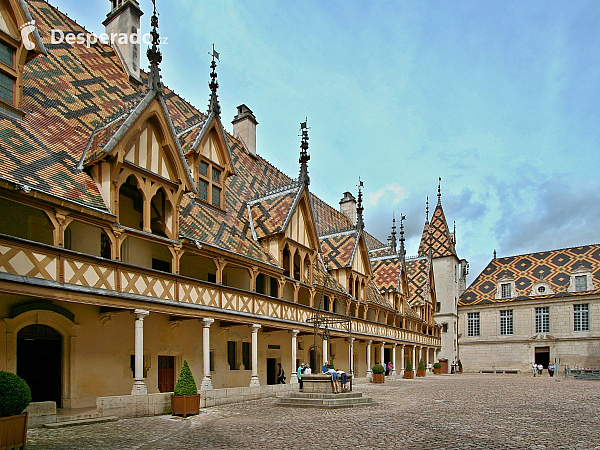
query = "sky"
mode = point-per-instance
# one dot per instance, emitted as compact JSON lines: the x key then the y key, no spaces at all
{"x":498,"y":98}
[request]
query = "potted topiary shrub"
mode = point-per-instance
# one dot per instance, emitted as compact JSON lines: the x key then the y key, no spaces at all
{"x":421,"y":369}
{"x":437,"y":368}
{"x":459,"y":366}
{"x":15,"y":395}
{"x":408,"y":370}
{"x":185,"y":399}
{"x":378,"y":374}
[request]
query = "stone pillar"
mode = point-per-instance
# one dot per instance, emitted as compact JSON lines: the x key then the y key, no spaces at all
{"x":427,"y":357}
{"x":294,"y":375}
{"x":394,"y":371}
{"x":139,"y":386}
{"x":206,"y":381}
{"x":414,"y":357}
{"x":369,"y":359}
{"x":402,"y":359}
{"x":325,"y":352}
{"x":382,"y":357}
{"x":254,"y":380}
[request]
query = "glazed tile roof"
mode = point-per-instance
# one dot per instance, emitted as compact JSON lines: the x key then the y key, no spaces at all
{"x":373,"y":242}
{"x":552,"y":267}
{"x":387,"y":271}
{"x":436,"y":236}
{"x":373,"y":295}
{"x":380,"y":252}
{"x":417,"y":271}
{"x":329,"y":220}
{"x":270,"y":213}
{"x":322,"y":278}
{"x":338,"y":249}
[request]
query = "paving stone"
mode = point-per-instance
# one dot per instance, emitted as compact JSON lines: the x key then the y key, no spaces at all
{"x":438,"y":412}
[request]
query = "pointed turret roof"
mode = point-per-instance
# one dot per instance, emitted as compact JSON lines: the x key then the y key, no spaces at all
{"x":436,"y":238}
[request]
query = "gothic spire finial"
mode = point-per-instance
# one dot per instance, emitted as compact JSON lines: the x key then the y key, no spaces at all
{"x":402,"y":251}
{"x":439,"y":194}
{"x":427,"y":210}
{"x":154,"y":54}
{"x":393,"y":243}
{"x":304,"y":156}
{"x":360,"y":225}
{"x":454,"y":232}
{"x":494,"y":253}
{"x":213,"y":104}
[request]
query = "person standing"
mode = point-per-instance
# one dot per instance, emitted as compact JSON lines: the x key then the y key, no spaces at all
{"x":452,"y":367}
{"x":540,"y":369}
{"x":551,"y":369}
{"x":280,"y":375}
{"x":307,"y":369}
{"x":534,"y":368}
{"x":299,"y":373}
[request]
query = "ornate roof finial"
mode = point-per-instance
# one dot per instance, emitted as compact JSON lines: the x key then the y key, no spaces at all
{"x":494,"y":253}
{"x":393,"y":243}
{"x":427,"y":210}
{"x":360,"y":224}
{"x":213,"y":104}
{"x":402,"y":251}
{"x":304,"y":156}
{"x":439,"y":191}
{"x":154,"y":54}
{"x":454,"y":232}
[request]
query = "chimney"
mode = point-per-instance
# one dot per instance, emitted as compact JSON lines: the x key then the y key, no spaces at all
{"x":124,"y":19}
{"x":348,"y":207}
{"x":244,"y":127}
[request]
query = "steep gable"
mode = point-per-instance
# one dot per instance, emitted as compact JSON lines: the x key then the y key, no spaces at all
{"x":436,"y":236}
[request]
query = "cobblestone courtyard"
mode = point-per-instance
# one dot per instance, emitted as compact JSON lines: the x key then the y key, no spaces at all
{"x":438,"y":412}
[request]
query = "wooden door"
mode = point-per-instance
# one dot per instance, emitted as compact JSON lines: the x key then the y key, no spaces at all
{"x":166,"y":373}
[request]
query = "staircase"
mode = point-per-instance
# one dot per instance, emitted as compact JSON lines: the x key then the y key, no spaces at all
{"x":85,"y":418}
{"x":327,"y":401}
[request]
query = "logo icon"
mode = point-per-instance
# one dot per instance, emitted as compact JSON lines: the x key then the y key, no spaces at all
{"x":26,"y":30}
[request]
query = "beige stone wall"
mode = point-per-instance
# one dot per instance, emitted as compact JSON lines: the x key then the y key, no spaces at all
{"x":517,"y":351}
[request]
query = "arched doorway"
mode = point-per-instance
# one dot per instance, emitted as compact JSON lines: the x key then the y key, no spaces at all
{"x":39,"y":356}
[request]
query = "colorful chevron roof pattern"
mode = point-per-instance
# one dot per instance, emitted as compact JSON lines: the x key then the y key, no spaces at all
{"x":436,"y":236}
{"x":552,"y":268}
{"x":387,"y":271}
{"x":417,"y":271}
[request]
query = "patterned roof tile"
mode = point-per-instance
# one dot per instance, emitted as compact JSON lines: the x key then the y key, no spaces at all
{"x":417,"y":271}
{"x":436,"y":236}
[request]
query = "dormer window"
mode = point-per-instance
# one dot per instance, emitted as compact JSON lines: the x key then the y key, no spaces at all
{"x":505,"y":290}
{"x":580,"y":283}
{"x":210,"y":187}
{"x":581,"y":280}
{"x":7,"y":77}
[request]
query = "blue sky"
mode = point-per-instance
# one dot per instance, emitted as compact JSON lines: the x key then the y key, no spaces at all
{"x":500,"y":99}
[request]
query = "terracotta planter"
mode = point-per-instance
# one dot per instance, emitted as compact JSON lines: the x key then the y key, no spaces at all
{"x":437,"y":371}
{"x":13,"y":431}
{"x":185,"y":404}
{"x":420,"y":372}
{"x":378,"y":378}
{"x":408,"y":374}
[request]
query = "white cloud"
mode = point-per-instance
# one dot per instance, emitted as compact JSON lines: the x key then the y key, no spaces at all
{"x":392,"y":192}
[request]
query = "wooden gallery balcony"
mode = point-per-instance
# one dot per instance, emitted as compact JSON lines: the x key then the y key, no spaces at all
{"x":43,"y":271}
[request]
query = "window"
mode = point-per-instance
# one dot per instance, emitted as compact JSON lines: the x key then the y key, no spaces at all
{"x":163,"y":266}
{"x":104,"y":246}
{"x":541,"y":290}
{"x":210,"y":183}
{"x":7,"y":54}
{"x":581,"y":318}
{"x":445,"y":327}
{"x":246,"y":355}
{"x":473,"y":324}
{"x":542,"y":319}
{"x":7,"y":88}
{"x":438,"y":305}
{"x":506,"y":322}
{"x":231,"y":355}
{"x":580,"y":283}
{"x":211,"y":277}
{"x":505,"y":290}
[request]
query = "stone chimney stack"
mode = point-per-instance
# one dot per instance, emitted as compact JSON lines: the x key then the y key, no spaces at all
{"x":244,"y":127}
{"x":124,"y":19}
{"x":348,"y":207}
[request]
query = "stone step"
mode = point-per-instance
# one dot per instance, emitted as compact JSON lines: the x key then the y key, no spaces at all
{"x":326,"y":403}
{"x":72,"y":423}
{"x":87,"y":415}
{"x":316,"y":395}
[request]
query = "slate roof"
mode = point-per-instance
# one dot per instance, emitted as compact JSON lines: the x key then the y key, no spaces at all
{"x":436,"y":236}
{"x":553,"y":267}
{"x":417,"y":271}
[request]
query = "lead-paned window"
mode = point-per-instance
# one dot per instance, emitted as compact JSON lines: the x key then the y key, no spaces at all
{"x":7,"y":88}
{"x":203,"y":190}
{"x":580,"y":283}
{"x":216,"y":196}
{"x":473,"y":328}
{"x":210,"y":183}
{"x":542,"y":319}
{"x":7,"y":54}
{"x":581,"y":317}
{"x":506,"y":322}
{"x":505,"y":290}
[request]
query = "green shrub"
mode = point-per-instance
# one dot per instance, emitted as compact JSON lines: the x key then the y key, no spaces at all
{"x":459,"y":363}
{"x":185,"y":384}
{"x":408,"y":367}
{"x":15,"y":395}
{"x":421,"y":365}
{"x":331,"y":366}
{"x":377,"y":369}
{"x":437,"y":365}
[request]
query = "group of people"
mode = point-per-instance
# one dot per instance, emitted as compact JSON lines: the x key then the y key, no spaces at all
{"x":337,"y":377}
{"x":304,"y":369}
{"x":537,"y":369}
{"x":389,"y":368}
